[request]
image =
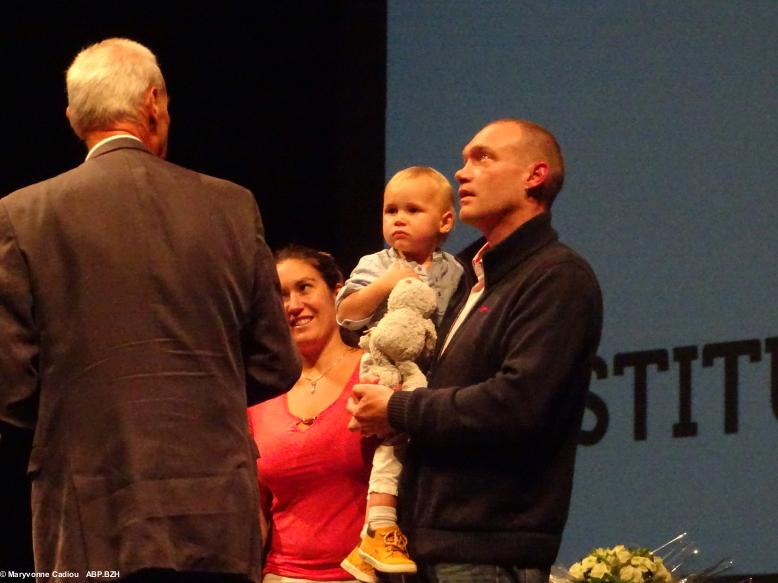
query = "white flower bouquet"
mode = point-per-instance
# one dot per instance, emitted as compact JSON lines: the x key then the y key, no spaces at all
{"x":620,"y":564}
{"x":623,"y":564}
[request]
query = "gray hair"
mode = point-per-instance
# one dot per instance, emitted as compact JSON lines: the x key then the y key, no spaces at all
{"x":107,"y":82}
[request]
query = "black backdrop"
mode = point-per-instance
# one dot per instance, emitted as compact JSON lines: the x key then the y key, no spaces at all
{"x":286,"y":98}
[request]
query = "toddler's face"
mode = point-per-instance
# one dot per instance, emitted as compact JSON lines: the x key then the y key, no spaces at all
{"x":415,"y":217}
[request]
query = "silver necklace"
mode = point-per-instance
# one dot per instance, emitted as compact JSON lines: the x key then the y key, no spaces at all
{"x":314,"y":382}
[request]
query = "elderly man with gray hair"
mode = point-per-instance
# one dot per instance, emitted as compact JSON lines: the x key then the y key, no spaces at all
{"x":139,"y":315}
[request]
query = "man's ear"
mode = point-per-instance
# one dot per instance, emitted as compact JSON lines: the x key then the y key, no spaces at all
{"x":446,"y":222}
{"x":538,"y":173}
{"x":151,"y":105}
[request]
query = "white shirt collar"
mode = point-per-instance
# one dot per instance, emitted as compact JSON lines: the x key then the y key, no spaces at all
{"x":478,"y":262}
{"x":109,"y":139}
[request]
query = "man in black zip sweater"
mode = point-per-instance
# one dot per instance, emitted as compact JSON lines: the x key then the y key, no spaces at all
{"x":486,"y":485}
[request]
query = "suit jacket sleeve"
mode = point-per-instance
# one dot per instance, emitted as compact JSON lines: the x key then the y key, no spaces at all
{"x":271,"y":358}
{"x":18,"y":335}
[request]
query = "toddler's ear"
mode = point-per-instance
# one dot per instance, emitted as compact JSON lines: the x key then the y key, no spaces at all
{"x":446,"y":222}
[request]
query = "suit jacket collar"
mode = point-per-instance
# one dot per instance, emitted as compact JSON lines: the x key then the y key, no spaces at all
{"x":118,"y":143}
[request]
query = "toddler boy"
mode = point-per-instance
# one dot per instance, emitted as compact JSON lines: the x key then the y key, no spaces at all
{"x":418,"y":215}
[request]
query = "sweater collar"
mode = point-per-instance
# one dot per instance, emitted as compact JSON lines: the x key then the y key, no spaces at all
{"x":500,"y":259}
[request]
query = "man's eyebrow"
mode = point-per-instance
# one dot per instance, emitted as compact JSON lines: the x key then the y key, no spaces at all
{"x":467,"y":150}
{"x":476,"y":149}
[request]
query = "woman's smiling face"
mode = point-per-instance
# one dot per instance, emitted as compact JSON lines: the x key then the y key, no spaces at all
{"x":308,"y":302}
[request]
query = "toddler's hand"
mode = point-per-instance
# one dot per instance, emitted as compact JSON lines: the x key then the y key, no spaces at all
{"x":399,"y":270}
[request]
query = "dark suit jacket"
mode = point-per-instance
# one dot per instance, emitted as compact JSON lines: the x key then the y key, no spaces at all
{"x":139,"y":307}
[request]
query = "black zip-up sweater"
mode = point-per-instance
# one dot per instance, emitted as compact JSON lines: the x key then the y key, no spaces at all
{"x":489,"y":469}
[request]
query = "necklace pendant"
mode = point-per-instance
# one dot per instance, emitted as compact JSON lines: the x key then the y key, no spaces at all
{"x":314,"y":382}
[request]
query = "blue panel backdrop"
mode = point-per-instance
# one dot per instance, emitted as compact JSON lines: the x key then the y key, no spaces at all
{"x":666,"y":113}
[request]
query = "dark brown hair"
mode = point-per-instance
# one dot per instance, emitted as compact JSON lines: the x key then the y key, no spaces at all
{"x":321,"y":261}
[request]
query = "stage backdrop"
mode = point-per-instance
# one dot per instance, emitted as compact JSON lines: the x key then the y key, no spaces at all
{"x":666,"y":113}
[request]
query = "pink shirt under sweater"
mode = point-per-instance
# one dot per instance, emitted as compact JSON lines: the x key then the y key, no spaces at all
{"x":318,"y":480}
